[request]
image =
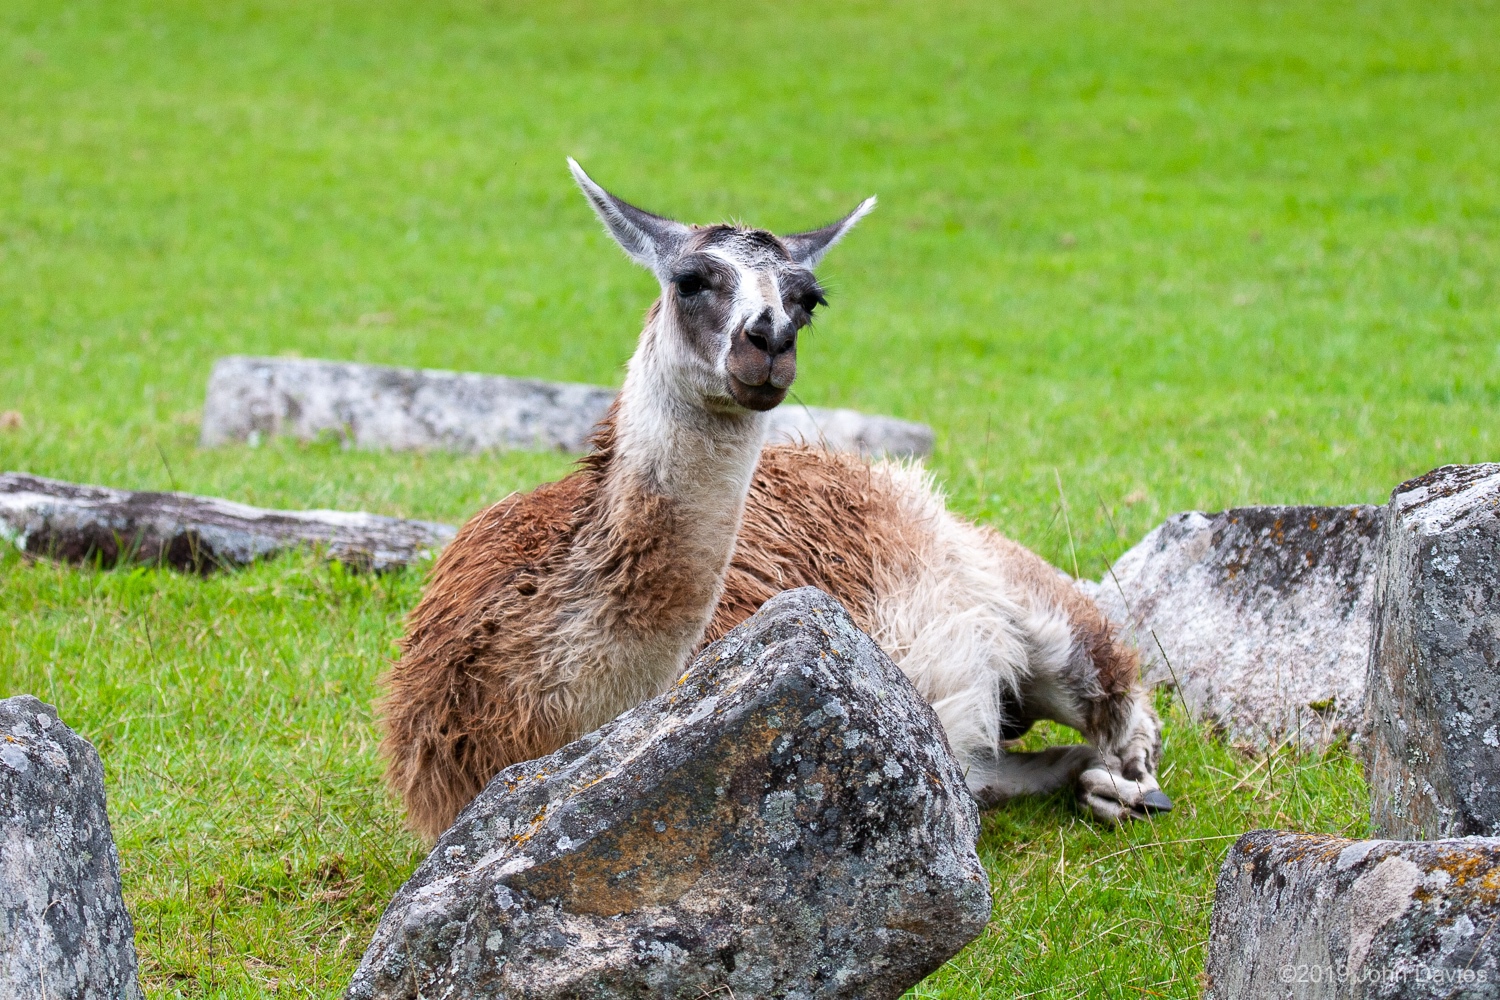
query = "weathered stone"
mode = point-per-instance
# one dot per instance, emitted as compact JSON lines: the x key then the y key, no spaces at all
{"x":787,"y":820}
{"x":1263,"y":614}
{"x":1433,"y":755}
{"x":58,"y":520}
{"x":848,"y":430}
{"x":376,"y":406}
{"x":1310,"y":916}
{"x":64,"y":930}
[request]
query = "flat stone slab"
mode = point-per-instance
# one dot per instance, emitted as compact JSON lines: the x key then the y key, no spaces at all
{"x":1311,"y":916}
{"x":1260,"y":615}
{"x":786,"y":821}
{"x":1433,"y":755}
{"x":378,"y":406}
{"x":76,"y":523}
{"x":64,"y":929}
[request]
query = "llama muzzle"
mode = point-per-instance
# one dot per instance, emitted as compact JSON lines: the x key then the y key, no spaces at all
{"x":762,"y":363}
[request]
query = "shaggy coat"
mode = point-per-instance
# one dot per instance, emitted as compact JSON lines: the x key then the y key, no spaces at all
{"x":964,"y":611}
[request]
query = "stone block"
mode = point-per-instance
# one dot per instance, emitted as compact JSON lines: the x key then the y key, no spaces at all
{"x":1313,"y":917}
{"x":378,"y":406}
{"x":786,"y":821}
{"x":75,"y":523}
{"x":64,"y":930}
{"x":1260,"y":615}
{"x":1433,"y":755}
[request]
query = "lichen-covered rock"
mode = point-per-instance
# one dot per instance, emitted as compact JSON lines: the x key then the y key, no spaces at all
{"x":1433,"y":755}
{"x":787,"y":820}
{"x":76,"y":523}
{"x":64,"y":930}
{"x":378,"y":406}
{"x":1311,"y":916}
{"x":1263,"y":614}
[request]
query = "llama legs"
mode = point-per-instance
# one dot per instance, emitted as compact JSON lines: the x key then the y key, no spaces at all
{"x":1123,"y":782}
{"x":1113,"y":775}
{"x":1100,"y":787}
{"x":1008,"y":774}
{"x":1118,"y":782}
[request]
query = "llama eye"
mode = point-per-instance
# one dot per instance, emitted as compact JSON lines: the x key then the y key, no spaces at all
{"x":690,"y":284}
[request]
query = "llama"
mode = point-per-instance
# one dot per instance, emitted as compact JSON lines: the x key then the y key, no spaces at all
{"x":553,"y":611}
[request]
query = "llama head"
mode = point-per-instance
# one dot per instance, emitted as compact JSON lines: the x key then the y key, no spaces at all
{"x":732,"y":298}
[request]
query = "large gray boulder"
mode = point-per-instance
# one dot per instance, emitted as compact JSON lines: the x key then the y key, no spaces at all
{"x":64,"y":930}
{"x":378,"y":406}
{"x":787,"y":820}
{"x":76,"y":523}
{"x":1260,"y":615}
{"x":1434,"y":709}
{"x":1311,"y":916}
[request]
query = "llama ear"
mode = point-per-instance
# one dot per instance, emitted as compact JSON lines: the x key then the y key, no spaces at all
{"x":808,"y":248}
{"x":651,"y":241}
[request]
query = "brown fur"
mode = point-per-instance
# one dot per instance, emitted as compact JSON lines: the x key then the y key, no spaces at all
{"x":453,"y":713}
{"x":473,"y":692}
{"x":813,"y":519}
{"x":823,"y":519}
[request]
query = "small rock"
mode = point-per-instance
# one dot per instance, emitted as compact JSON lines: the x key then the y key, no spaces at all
{"x":1263,"y":614}
{"x":1433,"y":756}
{"x":787,"y":820}
{"x":1311,"y":916}
{"x":64,"y":930}
{"x":377,"y":406}
{"x":75,"y":523}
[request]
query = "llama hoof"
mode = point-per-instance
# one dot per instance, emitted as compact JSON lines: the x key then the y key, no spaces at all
{"x":1152,"y":803}
{"x":1156,"y":802}
{"x":1115,"y":799}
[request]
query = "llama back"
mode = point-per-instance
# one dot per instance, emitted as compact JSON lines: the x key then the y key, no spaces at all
{"x":967,"y":613}
{"x":814,"y":518}
{"x":864,"y":533}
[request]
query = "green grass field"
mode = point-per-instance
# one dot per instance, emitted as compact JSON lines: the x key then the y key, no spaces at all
{"x":1130,"y":259}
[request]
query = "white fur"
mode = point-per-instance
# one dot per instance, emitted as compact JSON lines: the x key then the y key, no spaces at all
{"x":957,"y":627}
{"x":669,"y":443}
{"x":970,"y":638}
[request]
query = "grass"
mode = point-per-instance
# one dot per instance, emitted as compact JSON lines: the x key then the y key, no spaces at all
{"x":233,"y":718}
{"x":1130,"y":258}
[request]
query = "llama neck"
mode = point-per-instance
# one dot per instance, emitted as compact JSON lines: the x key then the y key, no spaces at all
{"x":669,"y":444}
{"x":652,"y":562}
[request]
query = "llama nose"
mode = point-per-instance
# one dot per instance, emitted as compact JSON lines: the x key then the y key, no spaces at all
{"x":769,"y":336}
